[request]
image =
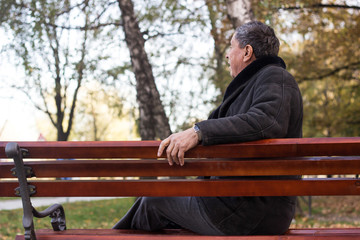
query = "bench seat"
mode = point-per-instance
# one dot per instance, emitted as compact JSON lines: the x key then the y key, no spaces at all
{"x":175,"y":234}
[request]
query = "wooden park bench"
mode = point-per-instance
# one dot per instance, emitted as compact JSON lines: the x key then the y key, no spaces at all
{"x":106,"y":164}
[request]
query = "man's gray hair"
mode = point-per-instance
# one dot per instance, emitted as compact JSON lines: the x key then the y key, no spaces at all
{"x":260,"y":36}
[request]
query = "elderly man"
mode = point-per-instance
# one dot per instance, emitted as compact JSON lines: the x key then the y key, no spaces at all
{"x":262,"y":101}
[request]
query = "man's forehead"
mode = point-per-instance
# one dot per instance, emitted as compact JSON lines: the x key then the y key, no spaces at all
{"x":233,"y":40}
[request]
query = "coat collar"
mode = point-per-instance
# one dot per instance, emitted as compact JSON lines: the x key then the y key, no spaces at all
{"x":250,"y":71}
{"x":243,"y":77}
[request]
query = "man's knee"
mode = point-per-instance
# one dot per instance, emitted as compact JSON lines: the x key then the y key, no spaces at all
{"x":153,"y":206}
{"x":149,"y":215}
{"x":151,"y":202}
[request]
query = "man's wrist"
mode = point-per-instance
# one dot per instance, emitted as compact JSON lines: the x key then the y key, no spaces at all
{"x":198,"y":132}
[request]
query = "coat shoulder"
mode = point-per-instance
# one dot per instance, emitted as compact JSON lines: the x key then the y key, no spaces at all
{"x":276,"y":74}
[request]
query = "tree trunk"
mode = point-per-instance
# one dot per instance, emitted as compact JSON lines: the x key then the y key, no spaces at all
{"x":60,"y":98}
{"x":219,"y":33}
{"x":153,"y":121}
{"x":240,"y":12}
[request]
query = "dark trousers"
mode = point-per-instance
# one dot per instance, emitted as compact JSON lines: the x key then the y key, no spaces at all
{"x":155,"y":213}
{"x":230,"y":216}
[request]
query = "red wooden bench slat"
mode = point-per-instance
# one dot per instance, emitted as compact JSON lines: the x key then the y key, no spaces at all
{"x":215,"y":167}
{"x":8,"y":188}
{"x":148,"y":149}
{"x":298,"y":234}
{"x":314,"y":187}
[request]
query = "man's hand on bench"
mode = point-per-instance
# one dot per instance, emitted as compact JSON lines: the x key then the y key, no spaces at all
{"x":177,"y":144}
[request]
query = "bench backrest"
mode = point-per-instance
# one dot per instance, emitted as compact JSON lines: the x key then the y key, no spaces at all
{"x":107,"y":166}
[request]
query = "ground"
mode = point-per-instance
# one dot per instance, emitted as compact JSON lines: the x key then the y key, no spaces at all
{"x":329,"y":211}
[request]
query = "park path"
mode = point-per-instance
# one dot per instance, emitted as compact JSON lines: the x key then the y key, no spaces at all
{"x":38,"y":202}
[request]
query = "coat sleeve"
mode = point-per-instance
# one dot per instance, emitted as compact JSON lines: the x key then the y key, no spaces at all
{"x":267,"y":117}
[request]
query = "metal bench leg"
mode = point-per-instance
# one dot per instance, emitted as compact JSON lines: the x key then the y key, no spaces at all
{"x":13,"y":151}
{"x":56,"y":212}
{"x":57,"y":215}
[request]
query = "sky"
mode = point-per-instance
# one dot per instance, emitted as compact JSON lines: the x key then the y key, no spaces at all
{"x":17,"y":115}
{"x":17,"y":119}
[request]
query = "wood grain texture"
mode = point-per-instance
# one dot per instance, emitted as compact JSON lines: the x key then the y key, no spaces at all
{"x":268,"y":148}
{"x":180,"y":187}
{"x":192,"y":167}
{"x":174,"y":234}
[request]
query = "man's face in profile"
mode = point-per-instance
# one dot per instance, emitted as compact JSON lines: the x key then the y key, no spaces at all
{"x":235,"y":57}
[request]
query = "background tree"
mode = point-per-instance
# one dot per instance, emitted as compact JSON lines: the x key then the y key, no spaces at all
{"x":153,"y":121}
{"x":325,"y":61}
{"x":107,"y":113}
{"x":240,"y":12}
{"x":54,"y":59}
{"x":320,"y":44}
{"x":184,"y":45}
{"x":221,"y":32}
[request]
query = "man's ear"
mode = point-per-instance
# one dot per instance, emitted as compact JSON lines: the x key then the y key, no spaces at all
{"x":249,"y":54}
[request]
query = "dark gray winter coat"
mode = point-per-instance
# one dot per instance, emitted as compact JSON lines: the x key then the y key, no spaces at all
{"x":263,"y":101}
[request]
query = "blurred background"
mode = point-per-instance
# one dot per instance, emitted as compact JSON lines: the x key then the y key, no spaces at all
{"x":124,"y":70}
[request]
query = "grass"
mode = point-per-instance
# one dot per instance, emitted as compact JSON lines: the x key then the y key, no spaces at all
{"x":8,"y":198}
{"x":329,"y":211}
{"x":334,"y":211}
{"x":79,"y":215}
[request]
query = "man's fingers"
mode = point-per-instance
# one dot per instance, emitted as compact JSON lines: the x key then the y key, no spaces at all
{"x":174,"y":154}
{"x":168,"y":154}
{"x":162,"y":146}
{"x":181,"y":157}
{"x":176,"y":145}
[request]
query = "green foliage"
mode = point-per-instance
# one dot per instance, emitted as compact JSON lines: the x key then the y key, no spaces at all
{"x":331,"y":108}
{"x":5,"y":7}
{"x":321,"y":45}
{"x":330,"y":53}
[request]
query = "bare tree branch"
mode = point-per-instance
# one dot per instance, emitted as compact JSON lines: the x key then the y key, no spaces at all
{"x":328,"y":74}
{"x":89,"y":26}
{"x":80,"y":69}
{"x":70,"y":8}
{"x":38,"y":107}
{"x":159,"y":34}
{"x":92,"y":27}
{"x":319,"y":5}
